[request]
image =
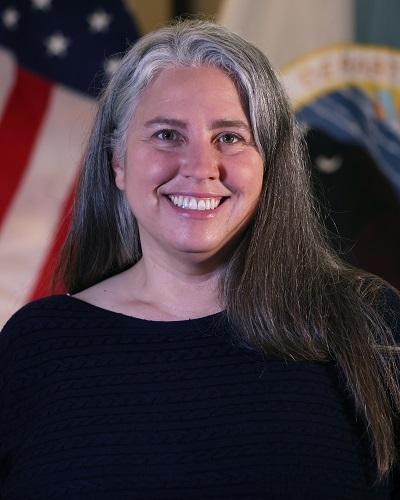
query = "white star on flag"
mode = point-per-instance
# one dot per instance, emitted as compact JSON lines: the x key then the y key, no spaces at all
{"x":53,"y":59}
{"x":57,"y":44}
{"x":10,"y":18}
{"x":99,"y":21}
{"x":41,"y":4}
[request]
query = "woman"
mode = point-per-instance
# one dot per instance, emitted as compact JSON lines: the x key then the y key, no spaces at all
{"x":212,"y":345}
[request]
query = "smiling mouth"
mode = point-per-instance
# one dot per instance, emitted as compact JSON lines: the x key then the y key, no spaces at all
{"x":193,"y":203}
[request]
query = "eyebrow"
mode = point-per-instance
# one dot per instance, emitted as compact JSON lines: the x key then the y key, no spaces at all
{"x":230,"y":124}
{"x":161,"y":120}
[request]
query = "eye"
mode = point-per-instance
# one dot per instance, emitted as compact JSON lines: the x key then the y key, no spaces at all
{"x":229,"y":138}
{"x":167,"y":135}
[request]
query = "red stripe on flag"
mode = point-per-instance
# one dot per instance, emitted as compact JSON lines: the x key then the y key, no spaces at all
{"x":42,"y":286}
{"x":19,"y":127}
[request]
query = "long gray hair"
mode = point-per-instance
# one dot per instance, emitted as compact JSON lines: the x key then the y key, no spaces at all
{"x":284,"y":291}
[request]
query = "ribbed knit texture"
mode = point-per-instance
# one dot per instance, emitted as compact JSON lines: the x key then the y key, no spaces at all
{"x":99,"y":405}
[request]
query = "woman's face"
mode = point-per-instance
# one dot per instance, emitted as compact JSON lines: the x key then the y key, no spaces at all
{"x":192,"y":174}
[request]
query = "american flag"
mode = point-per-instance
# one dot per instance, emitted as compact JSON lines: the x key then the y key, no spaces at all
{"x":54,"y":57}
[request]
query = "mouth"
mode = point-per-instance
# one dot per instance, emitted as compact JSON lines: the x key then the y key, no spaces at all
{"x":194,"y":203}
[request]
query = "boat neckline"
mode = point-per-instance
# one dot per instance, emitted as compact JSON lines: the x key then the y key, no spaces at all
{"x":90,"y":305}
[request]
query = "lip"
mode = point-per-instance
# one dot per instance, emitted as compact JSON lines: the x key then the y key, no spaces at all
{"x":194,"y":214}
{"x":196,"y":195}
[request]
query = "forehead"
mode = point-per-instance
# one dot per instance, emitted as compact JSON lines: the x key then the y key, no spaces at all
{"x":186,"y":89}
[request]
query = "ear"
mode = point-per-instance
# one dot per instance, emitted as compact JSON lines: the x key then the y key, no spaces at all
{"x":119,"y":172}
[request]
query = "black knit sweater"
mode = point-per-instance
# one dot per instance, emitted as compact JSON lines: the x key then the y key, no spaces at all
{"x":99,"y":405}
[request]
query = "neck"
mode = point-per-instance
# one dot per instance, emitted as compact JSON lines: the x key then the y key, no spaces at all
{"x":182,"y":291}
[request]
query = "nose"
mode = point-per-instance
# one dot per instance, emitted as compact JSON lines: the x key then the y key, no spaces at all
{"x":201,"y":161}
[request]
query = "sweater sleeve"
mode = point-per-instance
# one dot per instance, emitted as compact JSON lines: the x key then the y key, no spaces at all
{"x":8,"y":337}
{"x":391,"y":311}
{"x":390,"y":304}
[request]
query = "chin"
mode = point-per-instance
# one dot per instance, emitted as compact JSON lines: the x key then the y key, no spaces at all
{"x":202,"y":253}
{"x":193,"y":243}
{"x":197,"y":251}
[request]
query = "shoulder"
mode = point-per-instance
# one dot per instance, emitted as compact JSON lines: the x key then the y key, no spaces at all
{"x":41,"y":316}
{"x":389,"y":305}
{"x":38,"y":310}
{"x":47,"y":325}
{"x":34,"y":317}
{"x":390,"y":298}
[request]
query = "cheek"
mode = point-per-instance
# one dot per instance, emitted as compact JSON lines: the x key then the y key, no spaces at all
{"x":256,"y":176}
{"x":246,"y":178}
{"x":150,"y":169}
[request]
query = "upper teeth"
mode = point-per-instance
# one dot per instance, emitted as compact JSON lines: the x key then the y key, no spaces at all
{"x":192,"y":203}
